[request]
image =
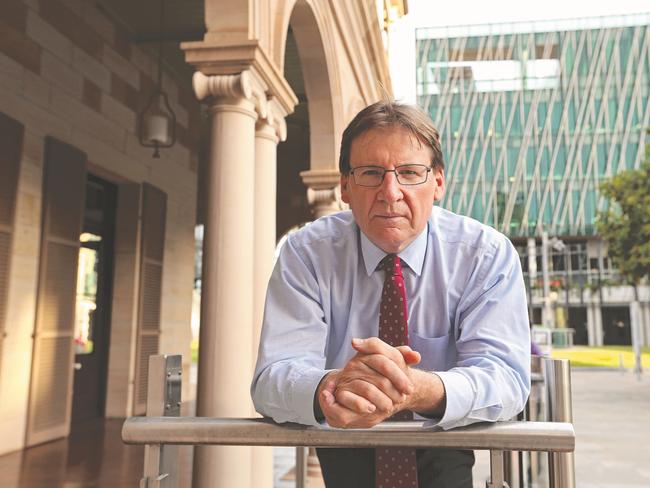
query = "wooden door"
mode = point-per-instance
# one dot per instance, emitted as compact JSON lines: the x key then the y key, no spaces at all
{"x":154,"y":209}
{"x":64,"y":183}
{"x":11,"y":145}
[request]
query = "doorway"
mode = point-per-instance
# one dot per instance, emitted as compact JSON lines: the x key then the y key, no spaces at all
{"x":616,"y":326}
{"x":578,"y":321}
{"x":93,"y":301}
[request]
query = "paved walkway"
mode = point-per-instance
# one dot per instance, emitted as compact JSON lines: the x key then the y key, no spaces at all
{"x":611,"y":415}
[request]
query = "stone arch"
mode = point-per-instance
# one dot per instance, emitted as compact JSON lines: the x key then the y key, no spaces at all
{"x":321,"y":77}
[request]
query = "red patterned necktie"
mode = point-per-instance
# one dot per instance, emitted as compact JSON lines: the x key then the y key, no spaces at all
{"x":394,"y":466}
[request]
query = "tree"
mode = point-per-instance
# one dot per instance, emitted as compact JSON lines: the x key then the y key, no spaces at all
{"x":625,"y":225}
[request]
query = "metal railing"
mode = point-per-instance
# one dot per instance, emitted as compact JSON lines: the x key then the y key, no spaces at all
{"x":549,"y":401}
{"x":558,"y":380}
{"x":162,"y":429}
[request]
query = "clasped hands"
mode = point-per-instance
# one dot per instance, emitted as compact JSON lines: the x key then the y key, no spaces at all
{"x":374,"y":385}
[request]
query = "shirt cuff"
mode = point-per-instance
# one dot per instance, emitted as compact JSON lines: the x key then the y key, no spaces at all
{"x":303,"y":391}
{"x":459,"y":397}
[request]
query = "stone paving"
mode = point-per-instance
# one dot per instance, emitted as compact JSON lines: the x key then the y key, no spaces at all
{"x":611,"y":412}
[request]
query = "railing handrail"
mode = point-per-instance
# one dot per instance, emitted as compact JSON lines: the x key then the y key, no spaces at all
{"x":160,"y":435}
{"x":507,"y":436}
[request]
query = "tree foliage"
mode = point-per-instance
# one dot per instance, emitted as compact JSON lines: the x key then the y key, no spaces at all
{"x":625,"y":225}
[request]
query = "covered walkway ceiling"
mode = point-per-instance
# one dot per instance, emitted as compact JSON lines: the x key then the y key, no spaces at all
{"x":141,"y":20}
{"x":183,"y":19}
{"x":183,"y":22}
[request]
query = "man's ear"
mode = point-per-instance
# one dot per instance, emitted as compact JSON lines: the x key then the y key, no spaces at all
{"x":345,"y":195}
{"x":438,"y":175}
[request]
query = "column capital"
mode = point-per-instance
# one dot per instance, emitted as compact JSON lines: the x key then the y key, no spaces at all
{"x":232,"y":86}
{"x":213,"y":58}
{"x":275,"y":120}
{"x":321,"y":179}
{"x":323,"y":191}
{"x":238,"y":86}
{"x":325,"y":201}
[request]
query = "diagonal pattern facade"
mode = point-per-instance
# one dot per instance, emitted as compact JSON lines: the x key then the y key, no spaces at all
{"x":533,"y":116}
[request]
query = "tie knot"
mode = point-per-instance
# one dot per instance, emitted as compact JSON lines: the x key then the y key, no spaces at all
{"x":392,"y":264}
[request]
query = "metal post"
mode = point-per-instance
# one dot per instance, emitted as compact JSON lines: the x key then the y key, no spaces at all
{"x":558,"y":390}
{"x":163,"y":400}
{"x":513,"y":474}
{"x":567,"y":282}
{"x":532,"y":274}
{"x":497,"y":479}
{"x":533,"y":464}
{"x":548,"y":319}
{"x":301,"y":466}
{"x":635,"y":329}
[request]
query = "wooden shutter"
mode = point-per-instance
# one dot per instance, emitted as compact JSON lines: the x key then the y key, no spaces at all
{"x":64,"y":187}
{"x":11,"y":144}
{"x":154,"y":209}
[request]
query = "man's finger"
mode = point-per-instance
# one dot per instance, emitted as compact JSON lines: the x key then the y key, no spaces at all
{"x":328,"y":398}
{"x":379,"y":400}
{"x":354,"y":402}
{"x":358,"y":369}
{"x":410,"y":356}
{"x":342,"y":417}
{"x":388,"y":369}
{"x":374,"y":345}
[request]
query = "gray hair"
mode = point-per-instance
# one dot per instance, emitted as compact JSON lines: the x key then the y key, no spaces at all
{"x":386,"y":114}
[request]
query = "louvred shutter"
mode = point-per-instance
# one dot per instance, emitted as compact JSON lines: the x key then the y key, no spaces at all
{"x":64,"y":185}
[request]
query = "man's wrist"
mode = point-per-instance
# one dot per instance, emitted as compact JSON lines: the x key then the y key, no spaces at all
{"x":429,"y":398}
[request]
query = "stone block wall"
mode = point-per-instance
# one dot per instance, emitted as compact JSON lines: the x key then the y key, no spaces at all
{"x":67,"y":70}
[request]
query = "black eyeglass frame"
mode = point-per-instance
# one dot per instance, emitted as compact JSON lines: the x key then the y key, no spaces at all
{"x":394,"y":170}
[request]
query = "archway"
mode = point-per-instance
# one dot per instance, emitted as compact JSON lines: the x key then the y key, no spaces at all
{"x":310,"y":143}
{"x":294,"y":153}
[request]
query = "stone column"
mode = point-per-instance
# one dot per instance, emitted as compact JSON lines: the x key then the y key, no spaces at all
{"x":269,"y":131}
{"x":225,"y":357}
{"x":598,"y":316}
{"x":324,"y":197}
{"x":645,"y":308}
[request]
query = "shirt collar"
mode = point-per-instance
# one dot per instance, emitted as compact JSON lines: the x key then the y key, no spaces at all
{"x":413,"y":255}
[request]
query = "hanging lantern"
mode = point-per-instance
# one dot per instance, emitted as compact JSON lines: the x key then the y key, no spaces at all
{"x":157,"y":121}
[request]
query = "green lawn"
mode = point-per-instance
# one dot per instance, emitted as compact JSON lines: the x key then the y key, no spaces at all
{"x":602,"y":357}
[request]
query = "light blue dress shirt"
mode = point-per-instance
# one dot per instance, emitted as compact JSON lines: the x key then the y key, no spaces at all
{"x":467,"y":316}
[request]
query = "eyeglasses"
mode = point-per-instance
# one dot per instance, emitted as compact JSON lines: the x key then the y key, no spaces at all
{"x":406,"y":174}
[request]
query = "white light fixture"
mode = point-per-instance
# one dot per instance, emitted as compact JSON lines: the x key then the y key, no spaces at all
{"x":157,"y":121}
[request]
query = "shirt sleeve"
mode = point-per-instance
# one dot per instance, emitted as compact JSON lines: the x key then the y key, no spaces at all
{"x":291,"y":357}
{"x":491,"y":378}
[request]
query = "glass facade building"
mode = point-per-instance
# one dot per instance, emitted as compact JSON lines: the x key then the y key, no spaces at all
{"x":534,"y":115}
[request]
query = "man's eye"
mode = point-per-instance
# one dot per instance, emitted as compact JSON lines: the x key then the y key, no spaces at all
{"x":409,"y":171}
{"x":371,"y":172}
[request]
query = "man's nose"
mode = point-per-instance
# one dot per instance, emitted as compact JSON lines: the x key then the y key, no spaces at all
{"x":390,"y":190}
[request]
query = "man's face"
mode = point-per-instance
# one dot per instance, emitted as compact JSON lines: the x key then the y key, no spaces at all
{"x":391,"y":215}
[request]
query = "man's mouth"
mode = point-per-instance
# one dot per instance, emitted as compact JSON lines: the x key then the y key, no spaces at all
{"x":389,"y":216}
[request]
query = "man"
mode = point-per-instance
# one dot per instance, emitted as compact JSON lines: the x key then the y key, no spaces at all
{"x":444,"y":292}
